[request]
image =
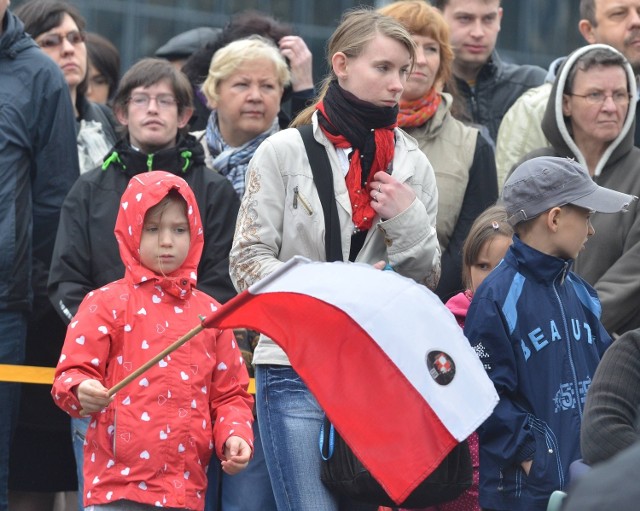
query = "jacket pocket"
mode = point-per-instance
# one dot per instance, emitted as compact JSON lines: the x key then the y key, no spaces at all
{"x":546,"y":474}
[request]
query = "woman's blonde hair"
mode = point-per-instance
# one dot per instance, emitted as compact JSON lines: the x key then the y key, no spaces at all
{"x":419,"y":18}
{"x":357,"y":28}
{"x":228,"y":59}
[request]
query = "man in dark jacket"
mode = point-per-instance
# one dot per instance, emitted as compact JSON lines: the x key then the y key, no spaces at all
{"x":489,"y":85}
{"x":38,"y":165}
{"x":154,"y":103}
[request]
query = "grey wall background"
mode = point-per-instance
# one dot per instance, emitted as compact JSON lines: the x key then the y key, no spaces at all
{"x":533,"y":31}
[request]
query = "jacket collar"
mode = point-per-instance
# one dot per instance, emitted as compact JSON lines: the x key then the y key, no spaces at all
{"x":491,"y":68}
{"x":537,"y":265}
{"x":13,"y":38}
{"x":178,"y":160}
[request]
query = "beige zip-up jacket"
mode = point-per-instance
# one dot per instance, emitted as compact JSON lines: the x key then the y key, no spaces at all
{"x":281,"y":216}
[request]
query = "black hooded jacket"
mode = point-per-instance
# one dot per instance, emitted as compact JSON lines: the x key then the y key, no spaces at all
{"x":86,"y":253}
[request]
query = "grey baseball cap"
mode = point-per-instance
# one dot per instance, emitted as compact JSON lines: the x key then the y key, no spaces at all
{"x":546,"y":182}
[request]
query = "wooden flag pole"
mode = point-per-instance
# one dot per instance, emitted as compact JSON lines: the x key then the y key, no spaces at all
{"x":169,"y":349}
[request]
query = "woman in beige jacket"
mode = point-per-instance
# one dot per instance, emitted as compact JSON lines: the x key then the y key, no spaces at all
{"x":386,"y":202}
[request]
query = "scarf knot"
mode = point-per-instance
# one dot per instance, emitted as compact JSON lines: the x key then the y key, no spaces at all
{"x":350,"y":122}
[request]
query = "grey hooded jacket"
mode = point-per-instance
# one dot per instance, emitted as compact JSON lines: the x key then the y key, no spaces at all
{"x":611,"y":259}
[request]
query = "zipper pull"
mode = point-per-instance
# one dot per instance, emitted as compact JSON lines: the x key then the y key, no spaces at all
{"x":295,"y":198}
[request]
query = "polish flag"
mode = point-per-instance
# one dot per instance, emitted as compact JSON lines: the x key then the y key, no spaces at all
{"x":383,"y":356}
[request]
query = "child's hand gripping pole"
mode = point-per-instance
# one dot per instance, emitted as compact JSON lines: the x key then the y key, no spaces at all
{"x":149,"y":363}
{"x":223,"y":318}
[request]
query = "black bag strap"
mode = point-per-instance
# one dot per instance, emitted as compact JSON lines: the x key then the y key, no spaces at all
{"x":323,"y":178}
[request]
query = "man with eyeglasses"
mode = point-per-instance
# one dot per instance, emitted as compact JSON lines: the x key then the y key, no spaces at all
{"x":153,"y":103}
{"x":590,"y":117}
{"x":38,"y":166}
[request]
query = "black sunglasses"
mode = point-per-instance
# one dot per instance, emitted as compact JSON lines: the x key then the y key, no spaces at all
{"x":53,"y":40}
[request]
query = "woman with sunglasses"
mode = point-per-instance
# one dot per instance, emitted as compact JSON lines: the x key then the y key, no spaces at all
{"x":42,"y":432}
{"x":59,"y":29}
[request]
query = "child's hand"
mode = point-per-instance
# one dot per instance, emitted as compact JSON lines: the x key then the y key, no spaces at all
{"x":237,"y":454}
{"x":93,"y":396}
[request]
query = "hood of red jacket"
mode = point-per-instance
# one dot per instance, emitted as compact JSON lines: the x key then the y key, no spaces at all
{"x":143,"y":192}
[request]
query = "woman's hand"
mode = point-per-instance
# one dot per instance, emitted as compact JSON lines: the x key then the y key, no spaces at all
{"x":300,"y":61}
{"x":389,"y":197}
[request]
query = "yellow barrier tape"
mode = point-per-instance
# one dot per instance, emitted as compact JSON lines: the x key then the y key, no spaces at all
{"x":44,"y":375}
{"x":26,"y":374}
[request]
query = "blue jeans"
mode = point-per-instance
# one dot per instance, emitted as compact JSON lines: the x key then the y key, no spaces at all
{"x":13,"y":334}
{"x":290,"y":420}
{"x":78,"y":433}
{"x":250,"y":490}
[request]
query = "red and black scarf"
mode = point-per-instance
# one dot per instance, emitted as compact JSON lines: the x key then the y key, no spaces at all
{"x":350,"y":122}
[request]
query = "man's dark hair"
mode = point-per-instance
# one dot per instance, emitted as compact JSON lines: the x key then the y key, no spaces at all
{"x":588,"y":11}
{"x":148,"y":72}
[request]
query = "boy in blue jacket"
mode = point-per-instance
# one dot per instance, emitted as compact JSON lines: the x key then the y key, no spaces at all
{"x":535,"y":326}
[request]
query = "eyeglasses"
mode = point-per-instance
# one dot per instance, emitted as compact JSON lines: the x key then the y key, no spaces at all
{"x":598,"y":98}
{"x":54,"y":40}
{"x":163,"y":101}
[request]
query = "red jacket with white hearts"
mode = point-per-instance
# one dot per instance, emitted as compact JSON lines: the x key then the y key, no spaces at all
{"x":153,"y":443}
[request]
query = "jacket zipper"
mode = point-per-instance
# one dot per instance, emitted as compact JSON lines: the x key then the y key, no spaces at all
{"x":297,"y":196}
{"x":562,"y":275}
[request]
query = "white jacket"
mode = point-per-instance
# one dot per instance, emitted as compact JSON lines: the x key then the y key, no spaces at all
{"x":275,"y":223}
{"x":521,"y":131}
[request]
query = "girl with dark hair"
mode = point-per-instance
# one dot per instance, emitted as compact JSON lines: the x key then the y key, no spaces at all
{"x":104,"y":69}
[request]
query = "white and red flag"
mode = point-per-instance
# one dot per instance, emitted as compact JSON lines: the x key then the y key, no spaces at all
{"x":383,"y":356}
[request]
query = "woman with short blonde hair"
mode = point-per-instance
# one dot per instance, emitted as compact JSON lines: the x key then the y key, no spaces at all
{"x":243,"y":88}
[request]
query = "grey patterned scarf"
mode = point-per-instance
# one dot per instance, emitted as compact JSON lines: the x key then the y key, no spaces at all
{"x":232,"y":162}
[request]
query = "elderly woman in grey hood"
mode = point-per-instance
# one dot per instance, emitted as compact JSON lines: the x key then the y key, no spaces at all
{"x":591,"y":117}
